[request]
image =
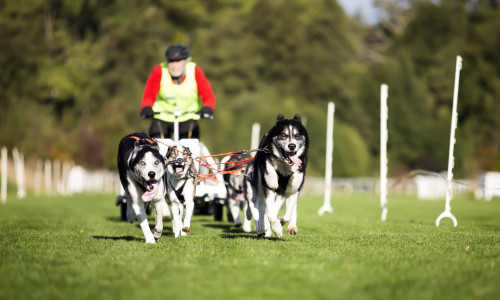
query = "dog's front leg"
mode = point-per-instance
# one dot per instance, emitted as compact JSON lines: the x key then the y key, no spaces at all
{"x":143,"y":221}
{"x":291,"y":205}
{"x":272,"y":213}
{"x":292,"y":227}
{"x":176,"y":218}
{"x":158,"y":208}
{"x":188,"y":214}
{"x":291,"y":214}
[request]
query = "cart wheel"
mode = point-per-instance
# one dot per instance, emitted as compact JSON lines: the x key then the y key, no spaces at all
{"x":229,"y":215}
{"x":148,"y":208}
{"x":123,"y":210}
{"x":218,"y":209}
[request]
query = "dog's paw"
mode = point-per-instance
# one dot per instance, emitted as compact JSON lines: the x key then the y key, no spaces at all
{"x":150,"y":240}
{"x":282,"y":220}
{"x":157,"y":234}
{"x":293,"y":231}
{"x":277,"y":228}
{"x":268,"y":232}
{"x":186,"y":229}
{"x":247,"y":227}
{"x":131,"y":216}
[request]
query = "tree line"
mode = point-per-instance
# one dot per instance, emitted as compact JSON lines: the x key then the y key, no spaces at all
{"x":73,"y":74}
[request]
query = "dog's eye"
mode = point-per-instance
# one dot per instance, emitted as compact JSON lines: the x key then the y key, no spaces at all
{"x":142,"y":163}
{"x":297,"y":135}
{"x":157,"y":162}
{"x":283,"y":134}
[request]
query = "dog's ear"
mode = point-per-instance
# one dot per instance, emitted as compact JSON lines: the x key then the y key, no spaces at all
{"x":187,"y":151}
{"x":280,"y":118}
{"x":169,"y":152}
{"x":297,"y":118}
{"x":155,"y":145}
{"x":138,"y":145}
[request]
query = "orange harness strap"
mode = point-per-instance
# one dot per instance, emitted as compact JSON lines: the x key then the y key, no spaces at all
{"x":138,"y":139}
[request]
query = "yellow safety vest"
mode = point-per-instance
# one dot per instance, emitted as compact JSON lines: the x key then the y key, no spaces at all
{"x":184,"y":96}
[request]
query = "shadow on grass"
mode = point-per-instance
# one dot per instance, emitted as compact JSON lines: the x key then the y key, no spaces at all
{"x":230,"y":232}
{"x":115,"y":219}
{"x":253,"y":236}
{"x":127,"y":238}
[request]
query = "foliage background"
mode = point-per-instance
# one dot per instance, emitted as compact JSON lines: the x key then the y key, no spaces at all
{"x":73,"y":74}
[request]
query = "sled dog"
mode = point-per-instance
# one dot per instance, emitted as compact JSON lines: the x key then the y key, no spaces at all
{"x":181,"y":180}
{"x":142,"y":168}
{"x":278,"y":175}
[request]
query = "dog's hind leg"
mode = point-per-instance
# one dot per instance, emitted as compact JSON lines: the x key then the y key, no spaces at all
{"x":235,"y":211}
{"x":158,"y":208}
{"x":166,"y":210}
{"x":130,"y":211}
{"x":247,"y":223}
{"x":262,"y":216}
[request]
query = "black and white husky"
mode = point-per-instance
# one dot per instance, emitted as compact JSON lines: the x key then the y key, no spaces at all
{"x":181,"y":183}
{"x":142,"y":169}
{"x":277,"y":175}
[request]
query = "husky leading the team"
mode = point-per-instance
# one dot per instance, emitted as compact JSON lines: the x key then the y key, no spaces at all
{"x":274,"y":177}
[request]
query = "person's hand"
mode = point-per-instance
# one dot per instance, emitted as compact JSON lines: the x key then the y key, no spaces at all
{"x":147,"y":112}
{"x":207,"y":112}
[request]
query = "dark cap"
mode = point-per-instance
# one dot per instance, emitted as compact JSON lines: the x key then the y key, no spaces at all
{"x":176,"y":52}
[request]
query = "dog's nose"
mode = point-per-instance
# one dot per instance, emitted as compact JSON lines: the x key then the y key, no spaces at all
{"x":152,"y":174}
{"x":291,"y":147}
{"x":179,"y":161}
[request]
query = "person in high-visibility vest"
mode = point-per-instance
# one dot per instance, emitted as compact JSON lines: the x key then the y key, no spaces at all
{"x":180,"y":83}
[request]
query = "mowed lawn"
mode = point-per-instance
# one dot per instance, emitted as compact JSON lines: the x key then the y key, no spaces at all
{"x":77,"y":248}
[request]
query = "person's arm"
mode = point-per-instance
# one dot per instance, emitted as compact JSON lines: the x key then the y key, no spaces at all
{"x":152,"y":88}
{"x":204,"y":88}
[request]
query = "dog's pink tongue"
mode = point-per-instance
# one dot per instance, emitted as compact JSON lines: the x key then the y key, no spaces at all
{"x":239,"y":197}
{"x":150,"y":193}
{"x":178,"y":170}
{"x":296,"y":160}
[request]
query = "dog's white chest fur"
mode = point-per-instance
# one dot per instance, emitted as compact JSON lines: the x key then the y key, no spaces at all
{"x":271,"y":177}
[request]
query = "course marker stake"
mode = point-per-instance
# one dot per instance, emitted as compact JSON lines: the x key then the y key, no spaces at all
{"x":451,"y":160}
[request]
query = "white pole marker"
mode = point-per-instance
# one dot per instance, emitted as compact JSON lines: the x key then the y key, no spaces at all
{"x":327,"y":207}
{"x":451,"y":159}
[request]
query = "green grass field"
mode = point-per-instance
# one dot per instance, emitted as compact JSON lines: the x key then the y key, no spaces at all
{"x":76,"y":248}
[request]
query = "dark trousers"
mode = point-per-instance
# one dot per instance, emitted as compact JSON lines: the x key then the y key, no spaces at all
{"x":162,"y":129}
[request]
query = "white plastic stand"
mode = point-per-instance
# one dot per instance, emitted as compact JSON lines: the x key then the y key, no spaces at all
{"x":177,"y":113}
{"x":3,"y":184}
{"x":384,"y":91}
{"x":451,"y":160}
{"x":327,"y":207}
